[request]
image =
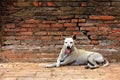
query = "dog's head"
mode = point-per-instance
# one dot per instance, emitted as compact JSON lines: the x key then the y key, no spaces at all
{"x":69,"y":43}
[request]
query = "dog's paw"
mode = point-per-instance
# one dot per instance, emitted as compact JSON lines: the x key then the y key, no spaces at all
{"x":57,"y":65}
{"x":48,"y":66}
{"x":87,"y":67}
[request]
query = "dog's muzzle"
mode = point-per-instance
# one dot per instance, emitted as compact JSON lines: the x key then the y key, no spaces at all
{"x":68,"y":50}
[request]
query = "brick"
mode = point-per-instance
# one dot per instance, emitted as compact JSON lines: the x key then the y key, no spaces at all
{"x":29,"y":25}
{"x":40,"y":33}
{"x":29,"y":55}
{"x":53,"y":33}
{"x":45,"y":42}
{"x":87,"y":24}
{"x":69,"y":24}
{"x":44,"y":25}
{"x":46,"y":37}
{"x":8,"y":33}
{"x":40,"y":3}
{"x":105,"y":33}
{"x":48,"y":21}
{"x":14,"y":29}
{"x":118,"y":38}
{"x":23,"y":37}
{"x":82,"y":37}
{"x":65,"y":17}
{"x":83,"y":4}
{"x":8,"y":4}
{"x":111,"y":38}
{"x":89,"y":28}
{"x":10,"y":55}
{"x":77,"y":33}
{"x":12,"y":25}
{"x":63,"y":21}
{"x":112,"y":22}
{"x":60,"y":33}
{"x":93,"y":32}
{"x":48,"y":56}
{"x":12,"y":42}
{"x":116,"y":30}
{"x":66,"y":8}
{"x":57,"y":38}
{"x":74,"y":20}
{"x":115,"y":34}
{"x":88,"y":47}
{"x":104,"y":28}
{"x":102,"y":25}
{"x":8,"y":37}
{"x":72,"y":29}
{"x":67,"y":33}
{"x":35,"y":3}
{"x":57,"y":25}
{"x":84,"y":42}
{"x":95,"y":42}
{"x":26,"y":33}
{"x":51,"y":4}
{"x":94,"y":37}
{"x":32,"y":21}
{"x":58,"y":43}
{"x":44,"y":29}
{"x":94,"y":17}
{"x":103,"y":37}
{"x":23,"y":4}
{"x":7,"y":29}
{"x":23,"y":29}
{"x":15,"y":56}
{"x":55,"y":29}
{"x":6,"y":52}
{"x":82,"y":20}
{"x":33,"y":29}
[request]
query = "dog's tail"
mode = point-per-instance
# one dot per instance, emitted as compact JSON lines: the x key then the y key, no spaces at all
{"x":106,"y":62}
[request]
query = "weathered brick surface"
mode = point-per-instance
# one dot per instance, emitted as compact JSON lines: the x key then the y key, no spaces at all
{"x":34,"y":29}
{"x":101,"y":17}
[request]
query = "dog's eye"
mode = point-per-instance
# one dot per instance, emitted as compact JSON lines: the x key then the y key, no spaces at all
{"x":65,"y":42}
{"x":71,"y":42}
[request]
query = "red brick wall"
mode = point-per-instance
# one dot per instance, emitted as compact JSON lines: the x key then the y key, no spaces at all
{"x":33,"y":30}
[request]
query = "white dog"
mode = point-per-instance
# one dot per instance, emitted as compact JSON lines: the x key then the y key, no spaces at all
{"x":70,"y":55}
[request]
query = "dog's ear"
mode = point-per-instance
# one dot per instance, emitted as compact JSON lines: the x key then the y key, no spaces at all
{"x":74,"y":37}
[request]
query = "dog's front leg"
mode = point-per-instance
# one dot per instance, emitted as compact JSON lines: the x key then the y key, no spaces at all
{"x":58,"y":63}
{"x":68,"y":60}
{"x":60,"y":57}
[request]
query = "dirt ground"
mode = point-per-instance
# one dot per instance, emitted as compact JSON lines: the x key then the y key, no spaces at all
{"x":37,"y":71}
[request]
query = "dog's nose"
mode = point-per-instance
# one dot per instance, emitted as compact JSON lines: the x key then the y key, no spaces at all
{"x":68,"y":47}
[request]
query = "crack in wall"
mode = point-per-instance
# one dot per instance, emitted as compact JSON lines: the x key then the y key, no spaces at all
{"x":85,"y":32}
